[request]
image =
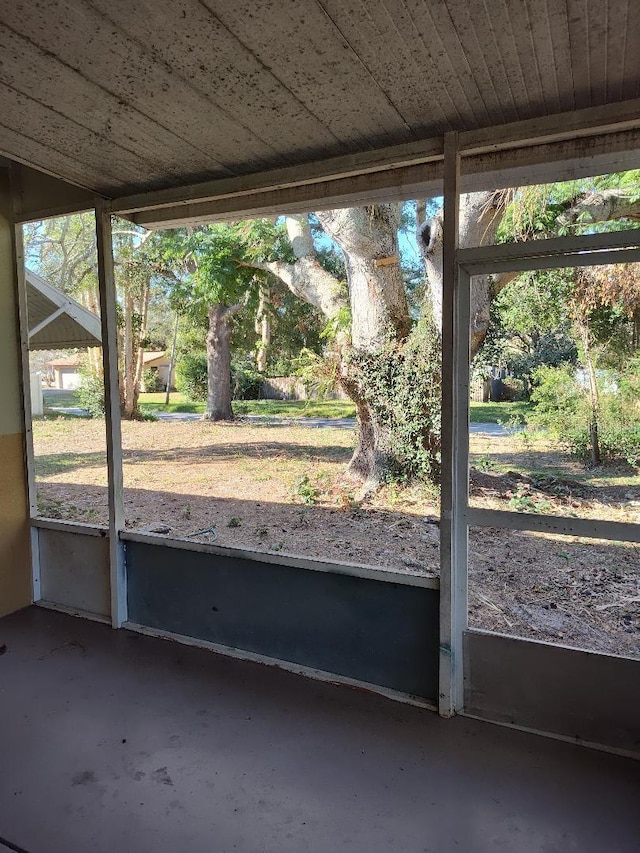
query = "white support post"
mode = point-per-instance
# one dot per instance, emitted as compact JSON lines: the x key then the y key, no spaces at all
{"x":112,"y":414}
{"x":23,"y":322}
{"x":454,"y":488}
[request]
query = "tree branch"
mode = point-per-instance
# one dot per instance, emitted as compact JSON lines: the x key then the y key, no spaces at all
{"x":306,"y":277}
{"x":602,"y":206}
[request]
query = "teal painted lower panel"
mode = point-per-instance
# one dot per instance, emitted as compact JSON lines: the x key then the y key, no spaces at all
{"x":373,"y":631}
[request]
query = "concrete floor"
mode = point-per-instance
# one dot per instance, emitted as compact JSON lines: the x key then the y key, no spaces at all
{"x":114,"y":742}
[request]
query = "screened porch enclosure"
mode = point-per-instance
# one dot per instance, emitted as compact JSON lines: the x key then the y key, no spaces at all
{"x":168,"y":693}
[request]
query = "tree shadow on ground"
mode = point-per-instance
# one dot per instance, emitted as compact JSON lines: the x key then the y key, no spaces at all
{"x":57,"y":463}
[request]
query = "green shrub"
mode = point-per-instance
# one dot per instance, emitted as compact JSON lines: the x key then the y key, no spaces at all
{"x":91,"y":392}
{"x":562,"y":408}
{"x":513,"y":390}
{"x":151,"y":381}
{"x":318,"y":373}
{"x":402,"y":385}
{"x":246,"y":382}
{"x":559,"y":401}
{"x":191,"y":376}
{"x":282,"y":366}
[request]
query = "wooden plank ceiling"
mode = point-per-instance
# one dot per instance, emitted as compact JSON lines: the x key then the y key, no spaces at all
{"x":121,"y":96}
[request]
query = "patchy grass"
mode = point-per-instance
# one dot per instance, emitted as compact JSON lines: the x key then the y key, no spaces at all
{"x":550,"y":473}
{"x":297,"y":408}
{"x":64,"y":399}
{"x":178,"y":403}
{"x":268,"y":408}
{"x":500,"y":413}
{"x":483,"y":413}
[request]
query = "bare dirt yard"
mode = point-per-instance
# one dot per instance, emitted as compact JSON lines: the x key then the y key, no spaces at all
{"x":279,"y":489}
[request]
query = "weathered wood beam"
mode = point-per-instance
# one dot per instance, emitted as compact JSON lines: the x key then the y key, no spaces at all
{"x":566,"y":160}
{"x":392,"y":162}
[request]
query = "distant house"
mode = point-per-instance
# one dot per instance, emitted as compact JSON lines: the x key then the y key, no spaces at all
{"x":159,"y":361}
{"x":66,"y":373}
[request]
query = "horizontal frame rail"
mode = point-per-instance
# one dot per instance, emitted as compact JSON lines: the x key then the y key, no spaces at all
{"x":616,"y":531}
{"x":550,"y":262}
{"x":70,"y":526}
{"x":556,"y":247}
{"x":351,"y":569}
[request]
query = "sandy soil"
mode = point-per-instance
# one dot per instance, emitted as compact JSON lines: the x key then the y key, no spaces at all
{"x":246,"y":485}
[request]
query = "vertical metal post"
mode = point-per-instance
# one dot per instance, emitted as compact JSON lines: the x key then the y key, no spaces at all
{"x":23,"y":326}
{"x":112,"y":414}
{"x":454,"y":489}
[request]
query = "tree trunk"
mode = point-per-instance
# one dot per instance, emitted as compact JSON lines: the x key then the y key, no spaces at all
{"x":128,"y":378}
{"x":219,"y":365}
{"x":594,"y":394}
{"x":140,"y":340}
{"x":368,"y":238}
{"x":480,"y":215}
{"x":263,"y":328}
{"x":134,"y":332}
{"x":372,"y":458}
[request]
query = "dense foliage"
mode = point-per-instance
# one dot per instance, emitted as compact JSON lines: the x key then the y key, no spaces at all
{"x":192,"y":377}
{"x":402,"y":384}
{"x":562,"y":407}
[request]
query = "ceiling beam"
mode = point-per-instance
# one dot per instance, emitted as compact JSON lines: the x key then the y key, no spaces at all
{"x":563,"y":127}
{"x":560,"y":161}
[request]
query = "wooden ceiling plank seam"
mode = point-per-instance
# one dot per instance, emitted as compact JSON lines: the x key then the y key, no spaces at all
{"x":367,"y":69}
{"x":422,"y":58}
{"x":183,"y":33}
{"x":375,"y":35}
{"x":131,"y":155}
{"x":630,"y":76}
{"x":63,"y":81}
{"x":556,"y":26}
{"x":423,"y":80}
{"x":36,"y":155}
{"x":476,"y":34}
{"x":515,"y":12}
{"x":129,"y":75}
{"x":579,"y":47}
{"x":458,"y":60}
{"x":463,"y":80}
{"x":265,"y":68}
{"x":548,"y":81}
{"x":269,"y":70}
{"x":567,"y":160}
{"x":598,"y":29}
{"x":617,"y":51}
{"x":157,"y":60}
{"x":23,"y":114}
{"x":508,"y":56}
{"x":21,"y":111}
{"x":460,"y":28}
{"x":534,"y":50}
{"x":250,"y":25}
{"x":322,"y":72}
